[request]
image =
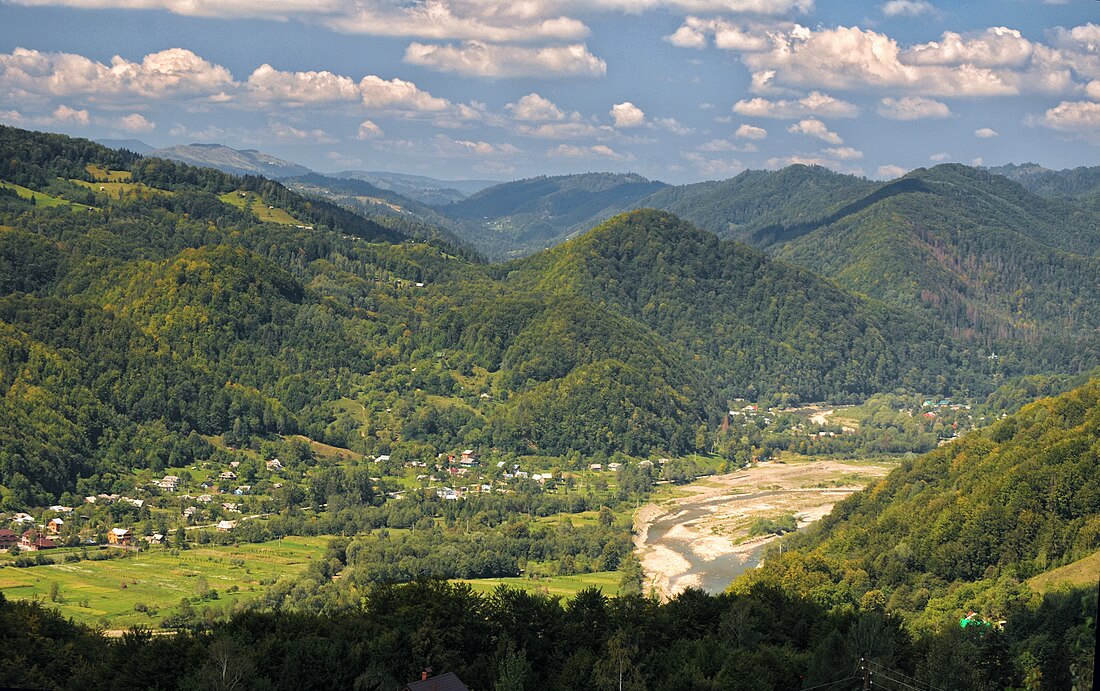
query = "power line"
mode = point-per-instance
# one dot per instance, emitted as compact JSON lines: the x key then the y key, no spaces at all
{"x":924,"y":684}
{"x":831,"y":683}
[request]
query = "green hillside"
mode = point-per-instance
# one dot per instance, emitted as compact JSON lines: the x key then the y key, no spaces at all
{"x":964,"y":526}
{"x":754,"y":325}
{"x":1010,"y":272}
{"x":517,"y":218}
{"x":764,"y":207}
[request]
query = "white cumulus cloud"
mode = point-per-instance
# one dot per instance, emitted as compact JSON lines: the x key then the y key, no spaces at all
{"x":985,"y":133}
{"x":626,"y":114}
{"x":751,"y":132}
{"x":175,"y":72}
{"x":889,"y":172}
{"x":812,"y":127}
{"x":64,"y":113}
{"x":534,"y":108}
{"x":815,"y":104}
{"x":267,"y":84}
{"x":398,"y":94}
{"x":907,"y":8}
{"x":594,"y":151}
{"x":913,"y":108}
{"x":368,"y":129}
{"x":482,"y":59}
{"x":134,"y":122}
{"x":1074,"y":116}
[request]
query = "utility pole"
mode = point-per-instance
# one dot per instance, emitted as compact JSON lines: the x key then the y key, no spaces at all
{"x":866,"y":674}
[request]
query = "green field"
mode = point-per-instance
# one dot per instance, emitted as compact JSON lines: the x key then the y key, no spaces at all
{"x":119,"y":190}
{"x":158,"y":580}
{"x":1082,"y":572}
{"x":250,"y":201}
{"x":101,"y":174}
{"x":41,"y":199}
{"x":566,"y":586}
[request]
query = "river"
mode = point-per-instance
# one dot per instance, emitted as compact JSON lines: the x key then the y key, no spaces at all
{"x":699,"y":537}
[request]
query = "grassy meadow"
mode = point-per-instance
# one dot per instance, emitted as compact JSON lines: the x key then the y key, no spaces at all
{"x":106,"y":592}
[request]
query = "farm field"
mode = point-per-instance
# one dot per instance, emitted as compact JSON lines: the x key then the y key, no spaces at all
{"x":250,"y":201}
{"x":120,"y":190}
{"x":158,"y":580}
{"x":101,"y":174}
{"x":566,"y":586}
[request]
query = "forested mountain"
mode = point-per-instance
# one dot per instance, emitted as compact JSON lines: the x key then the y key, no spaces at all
{"x":529,"y":215}
{"x":422,"y":188}
{"x":232,"y":161}
{"x":144,"y":300}
{"x":964,"y":526}
{"x":1081,"y":185}
{"x":1010,"y":272}
{"x":756,"y":326}
{"x":763,"y":207}
{"x":413,"y":218}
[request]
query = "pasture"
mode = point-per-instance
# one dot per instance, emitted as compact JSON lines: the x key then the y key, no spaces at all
{"x":106,"y":592}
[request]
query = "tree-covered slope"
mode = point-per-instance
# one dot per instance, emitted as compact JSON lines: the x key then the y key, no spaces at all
{"x":756,"y":326}
{"x":529,"y":215}
{"x":1081,"y":185}
{"x":763,"y":207}
{"x":963,"y":526}
{"x":1012,"y":272}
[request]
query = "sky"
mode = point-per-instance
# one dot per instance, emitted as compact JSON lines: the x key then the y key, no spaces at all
{"x":675,"y":90}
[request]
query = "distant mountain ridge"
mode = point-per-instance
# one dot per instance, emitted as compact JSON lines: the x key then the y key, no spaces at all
{"x":422,"y":188}
{"x":135,"y":145}
{"x":532,"y":214}
{"x":1081,"y":184}
{"x":232,"y":161}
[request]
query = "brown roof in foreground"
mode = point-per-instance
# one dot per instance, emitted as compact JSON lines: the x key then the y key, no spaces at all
{"x":444,"y":682}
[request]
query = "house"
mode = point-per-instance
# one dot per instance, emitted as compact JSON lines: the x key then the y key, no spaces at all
{"x":614,"y":466}
{"x":155,"y":539}
{"x":468,"y":457}
{"x":443,"y":682}
{"x":234,"y":464}
{"x":57,"y":508}
{"x":243,"y":489}
{"x":231,"y":507}
{"x":8,"y":538}
{"x":189,"y":512}
{"x":54,"y":525}
{"x":227,"y":475}
{"x":136,"y":502}
{"x":32,"y":541}
{"x":274,"y":465}
{"x":595,"y":466}
{"x":22,"y":519}
{"x":123,"y":537}
{"x":645,"y":464}
{"x":225,"y":526}
{"x":204,"y":498}
{"x":169,"y":483}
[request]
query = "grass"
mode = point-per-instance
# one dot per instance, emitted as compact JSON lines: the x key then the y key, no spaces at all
{"x":159,"y":580}
{"x":251,"y":202}
{"x":40,"y":198}
{"x":119,"y":190}
{"x":566,"y":586}
{"x":102,"y":174}
{"x":1082,"y":572}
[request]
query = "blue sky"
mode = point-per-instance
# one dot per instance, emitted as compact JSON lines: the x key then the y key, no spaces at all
{"x":677,"y":90}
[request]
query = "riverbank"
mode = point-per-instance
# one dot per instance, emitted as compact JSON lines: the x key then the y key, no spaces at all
{"x":700,"y":537}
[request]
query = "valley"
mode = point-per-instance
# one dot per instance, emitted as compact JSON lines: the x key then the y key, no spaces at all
{"x":711,"y":531}
{"x":227,"y":402}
